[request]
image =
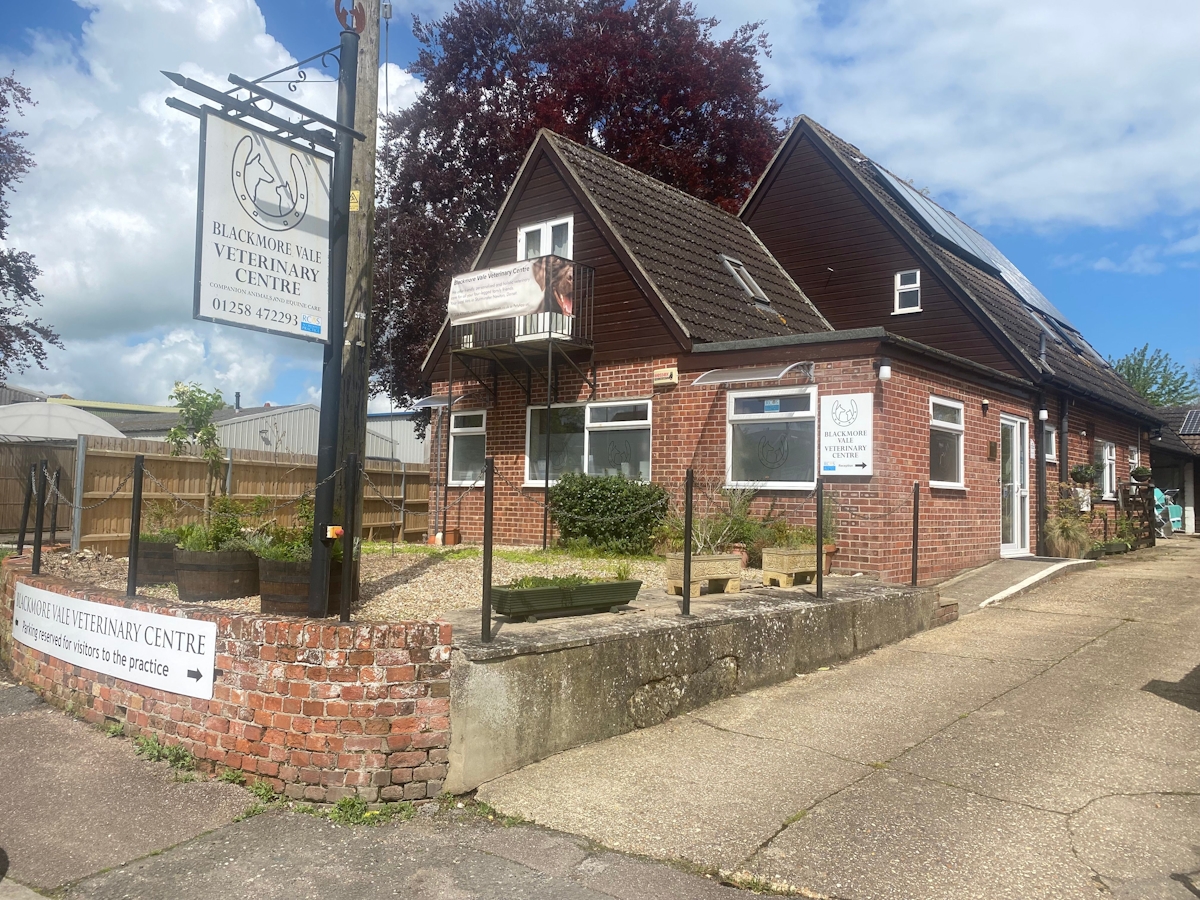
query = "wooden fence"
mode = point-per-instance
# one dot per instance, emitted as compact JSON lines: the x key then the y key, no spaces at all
{"x":395,"y":501}
{"x":15,"y":461}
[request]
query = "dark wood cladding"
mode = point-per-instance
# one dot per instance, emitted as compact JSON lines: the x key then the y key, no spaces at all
{"x":625,"y":326}
{"x":812,"y":220}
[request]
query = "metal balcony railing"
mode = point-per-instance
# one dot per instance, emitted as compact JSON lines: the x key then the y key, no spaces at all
{"x":566,"y":314}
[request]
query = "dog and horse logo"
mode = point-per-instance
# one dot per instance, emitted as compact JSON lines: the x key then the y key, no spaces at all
{"x":844,"y":414}
{"x":276,"y":199}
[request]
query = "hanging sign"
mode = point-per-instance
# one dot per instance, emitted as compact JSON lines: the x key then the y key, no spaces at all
{"x":847,"y":439}
{"x":164,"y":652}
{"x":262,"y":235}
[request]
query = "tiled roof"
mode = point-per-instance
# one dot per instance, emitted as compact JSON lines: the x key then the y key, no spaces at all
{"x":678,"y":242}
{"x":1173,"y":438}
{"x":995,"y":299}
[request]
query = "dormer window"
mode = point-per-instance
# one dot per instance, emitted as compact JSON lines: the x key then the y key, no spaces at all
{"x":908,"y":292}
{"x":551,"y":238}
{"x":743,"y":279}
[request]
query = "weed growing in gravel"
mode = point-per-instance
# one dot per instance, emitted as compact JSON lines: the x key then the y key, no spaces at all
{"x":492,"y":814}
{"x":354,"y":811}
{"x":114,"y":729}
{"x":756,"y":885}
{"x":176,"y":755}
{"x":261,"y":790}
{"x":232,"y":776}
{"x":795,"y":817}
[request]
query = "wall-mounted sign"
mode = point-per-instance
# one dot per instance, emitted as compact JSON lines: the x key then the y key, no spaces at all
{"x":163,"y":652}
{"x":847,"y":438}
{"x":262,"y":234}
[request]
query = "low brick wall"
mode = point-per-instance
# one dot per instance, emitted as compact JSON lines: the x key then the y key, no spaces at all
{"x":321,"y":710}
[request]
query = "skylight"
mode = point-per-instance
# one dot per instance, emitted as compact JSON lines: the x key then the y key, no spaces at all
{"x":743,"y":279}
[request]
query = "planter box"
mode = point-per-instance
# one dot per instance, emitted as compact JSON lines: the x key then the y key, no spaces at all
{"x":787,"y":566}
{"x":529,"y":603}
{"x":221,"y":575}
{"x":156,"y":562}
{"x":1116,"y":547}
{"x":722,"y":571}
{"x":283,"y":587}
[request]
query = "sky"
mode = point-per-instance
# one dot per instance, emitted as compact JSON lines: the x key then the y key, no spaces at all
{"x":1066,"y":132}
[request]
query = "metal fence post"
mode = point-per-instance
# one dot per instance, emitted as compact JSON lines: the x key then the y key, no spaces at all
{"x":820,"y":538}
{"x":349,"y":494}
{"x":77,"y":492}
{"x":916,"y":527}
{"x":135,"y":525}
{"x":25,"y":509}
{"x":55,"y":482}
{"x":689,"y":483}
{"x":489,"y":465}
{"x":39,"y":516}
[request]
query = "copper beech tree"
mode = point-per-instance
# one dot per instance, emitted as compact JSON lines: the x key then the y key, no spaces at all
{"x":23,"y":339}
{"x":645,"y":81}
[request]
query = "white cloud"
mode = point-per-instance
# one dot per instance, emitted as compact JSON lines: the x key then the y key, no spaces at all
{"x":1065,"y":113}
{"x":1142,"y":260}
{"x":109,"y":210}
{"x":397,"y":88}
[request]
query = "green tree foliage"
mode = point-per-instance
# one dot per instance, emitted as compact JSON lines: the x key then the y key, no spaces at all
{"x":644,"y":81}
{"x":1157,"y":377}
{"x":23,"y":340}
{"x":195,"y":428}
{"x":610,"y":512}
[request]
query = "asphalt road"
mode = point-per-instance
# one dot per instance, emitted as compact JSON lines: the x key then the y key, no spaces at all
{"x":1047,"y":747}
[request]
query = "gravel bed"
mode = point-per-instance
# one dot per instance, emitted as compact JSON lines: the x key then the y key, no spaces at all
{"x":411,"y":584}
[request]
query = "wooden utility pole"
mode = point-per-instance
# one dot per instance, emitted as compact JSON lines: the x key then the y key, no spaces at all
{"x":356,"y":354}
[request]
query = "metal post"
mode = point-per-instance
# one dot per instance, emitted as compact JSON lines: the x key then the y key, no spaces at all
{"x":688,"y":484}
{"x":350,"y":493}
{"x":549,"y":400}
{"x":135,"y":525}
{"x":229,"y":474}
{"x":25,"y":509}
{"x":56,"y":482}
{"x":331,"y":373}
{"x":820,"y":538}
{"x":449,"y":425}
{"x":77,"y":493}
{"x":1040,"y":444}
{"x":39,"y":516}
{"x":485,"y":631}
{"x":916,"y":527}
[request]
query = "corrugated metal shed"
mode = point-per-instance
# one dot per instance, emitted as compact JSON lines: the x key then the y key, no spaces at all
{"x":10,"y":393}
{"x":397,"y":429}
{"x":294,"y":429}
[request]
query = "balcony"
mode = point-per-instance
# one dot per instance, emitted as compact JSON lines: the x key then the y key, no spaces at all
{"x":564,"y":316}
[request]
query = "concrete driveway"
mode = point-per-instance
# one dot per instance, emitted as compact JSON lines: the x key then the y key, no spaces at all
{"x":1047,"y":747}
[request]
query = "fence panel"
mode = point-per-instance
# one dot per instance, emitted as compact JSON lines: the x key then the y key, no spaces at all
{"x":15,"y":460}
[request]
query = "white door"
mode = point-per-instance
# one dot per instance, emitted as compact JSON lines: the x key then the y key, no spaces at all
{"x":1014,"y":486}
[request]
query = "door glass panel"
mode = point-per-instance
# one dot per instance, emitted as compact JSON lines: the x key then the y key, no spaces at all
{"x":1007,"y":535}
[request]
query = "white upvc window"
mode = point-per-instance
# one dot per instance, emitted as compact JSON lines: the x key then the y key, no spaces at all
{"x":1106,"y":468}
{"x":607,"y":438}
{"x":1135,"y":457}
{"x":771,"y":439}
{"x":907,"y":298}
{"x":468,"y":446}
{"x":1051,"y":443}
{"x":945,"y":443}
{"x":552,"y":238}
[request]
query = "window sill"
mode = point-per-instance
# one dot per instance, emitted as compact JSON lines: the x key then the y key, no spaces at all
{"x":769,"y":486}
{"x":905,"y":312}
{"x":946,"y":486}
{"x":465,"y":484}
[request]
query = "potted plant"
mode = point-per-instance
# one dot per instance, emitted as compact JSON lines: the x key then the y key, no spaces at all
{"x":713,"y":534}
{"x":1140,"y":474}
{"x":285,"y":563}
{"x":156,"y":545}
{"x":534,"y":595}
{"x":1067,"y":533}
{"x":1084,"y":473}
{"x":792,"y":558}
{"x":214,"y":560}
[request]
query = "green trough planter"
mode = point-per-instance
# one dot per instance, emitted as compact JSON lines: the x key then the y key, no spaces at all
{"x":530,"y":603}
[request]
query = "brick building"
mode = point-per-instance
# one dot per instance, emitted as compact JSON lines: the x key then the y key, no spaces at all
{"x":676,"y":335}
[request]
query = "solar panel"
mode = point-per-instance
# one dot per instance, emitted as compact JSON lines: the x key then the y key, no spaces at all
{"x":1191,"y":422}
{"x":956,"y":235}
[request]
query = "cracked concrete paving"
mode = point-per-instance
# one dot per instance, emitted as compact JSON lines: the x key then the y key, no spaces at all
{"x":1048,"y":747}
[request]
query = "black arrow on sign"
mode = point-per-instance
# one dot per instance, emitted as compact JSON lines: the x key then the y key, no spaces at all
{"x":194,"y":673}
{"x":861,"y":466}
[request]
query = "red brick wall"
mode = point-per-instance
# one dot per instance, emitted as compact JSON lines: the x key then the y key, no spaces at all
{"x":959,"y":529}
{"x":320,"y":710}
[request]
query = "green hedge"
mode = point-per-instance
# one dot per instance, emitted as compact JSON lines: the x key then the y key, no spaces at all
{"x":610,"y":512}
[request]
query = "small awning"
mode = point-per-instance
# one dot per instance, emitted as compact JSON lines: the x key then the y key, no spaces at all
{"x":751,"y":373}
{"x":431,"y":402}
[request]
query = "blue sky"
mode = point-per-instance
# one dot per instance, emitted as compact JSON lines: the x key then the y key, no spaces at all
{"x":1065,"y":132}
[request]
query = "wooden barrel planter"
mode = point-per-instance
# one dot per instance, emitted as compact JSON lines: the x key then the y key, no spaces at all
{"x":156,"y":562}
{"x":220,"y":575}
{"x":529,"y":603}
{"x":283,"y":587}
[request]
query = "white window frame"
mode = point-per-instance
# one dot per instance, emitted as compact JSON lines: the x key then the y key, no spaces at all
{"x":1051,"y":443}
{"x":546,"y":229}
{"x":961,"y":430}
{"x":731,"y":420}
{"x":456,"y":432}
{"x":896,"y":310}
{"x":1134,"y":457}
{"x":1107,"y":457}
{"x":744,"y":279}
{"x":588,"y":428}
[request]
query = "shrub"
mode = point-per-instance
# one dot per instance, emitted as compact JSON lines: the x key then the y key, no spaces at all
{"x":611,"y":512}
